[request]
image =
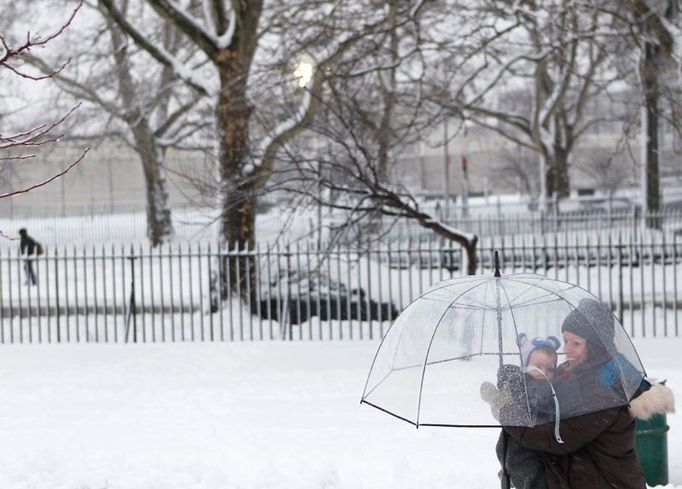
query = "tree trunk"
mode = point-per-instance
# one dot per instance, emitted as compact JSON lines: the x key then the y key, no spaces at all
{"x":560,"y":182}
{"x":650,"y":185}
{"x":472,"y":259}
{"x":159,"y":224}
{"x":238,"y":198}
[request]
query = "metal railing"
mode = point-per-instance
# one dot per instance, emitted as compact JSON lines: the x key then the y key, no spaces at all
{"x":135,"y":294}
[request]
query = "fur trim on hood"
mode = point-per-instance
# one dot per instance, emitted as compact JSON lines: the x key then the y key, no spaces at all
{"x":659,"y":399}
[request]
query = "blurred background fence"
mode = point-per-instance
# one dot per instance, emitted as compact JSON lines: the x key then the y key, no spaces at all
{"x":192,"y":225}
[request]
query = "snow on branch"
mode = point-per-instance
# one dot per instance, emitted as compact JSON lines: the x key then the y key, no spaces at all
{"x":210,"y":39}
{"x":675,"y":32}
{"x":414,"y":11}
{"x":505,"y":68}
{"x":313,"y":92}
{"x":159,"y":53}
{"x":214,"y":12}
{"x":561,"y":84}
{"x":280,"y":134}
{"x":305,"y":112}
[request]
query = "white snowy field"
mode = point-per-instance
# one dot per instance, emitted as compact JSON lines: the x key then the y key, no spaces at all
{"x":236,"y":415}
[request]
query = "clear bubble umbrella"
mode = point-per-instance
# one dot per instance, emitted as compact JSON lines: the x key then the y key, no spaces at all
{"x":474,"y":331}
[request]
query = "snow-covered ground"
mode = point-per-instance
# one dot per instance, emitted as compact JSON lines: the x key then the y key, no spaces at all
{"x":237,"y":415}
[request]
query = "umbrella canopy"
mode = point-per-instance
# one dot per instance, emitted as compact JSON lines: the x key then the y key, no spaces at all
{"x":465,"y":353}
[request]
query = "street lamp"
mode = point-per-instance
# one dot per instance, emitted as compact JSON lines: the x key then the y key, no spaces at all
{"x":304,"y":73}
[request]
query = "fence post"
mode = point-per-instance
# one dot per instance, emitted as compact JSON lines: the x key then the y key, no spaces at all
{"x":56,"y":289}
{"x":555,"y":210}
{"x":620,"y":278}
{"x":132,"y":308}
{"x":288,"y":278}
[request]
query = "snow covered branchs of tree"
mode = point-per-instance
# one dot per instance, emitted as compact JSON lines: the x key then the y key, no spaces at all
{"x":359,"y":131}
{"x":128,"y":97}
{"x":250,"y":50}
{"x":657,"y":34}
{"x":345,"y":180}
{"x":371,"y":110}
{"x":25,"y":145}
{"x":528,"y":72}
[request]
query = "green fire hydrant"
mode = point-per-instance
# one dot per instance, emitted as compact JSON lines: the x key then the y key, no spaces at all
{"x":652,"y":449}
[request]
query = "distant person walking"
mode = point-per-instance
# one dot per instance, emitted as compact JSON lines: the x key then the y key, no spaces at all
{"x":29,"y":247}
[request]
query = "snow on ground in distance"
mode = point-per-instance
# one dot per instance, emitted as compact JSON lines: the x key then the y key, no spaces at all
{"x":237,"y":415}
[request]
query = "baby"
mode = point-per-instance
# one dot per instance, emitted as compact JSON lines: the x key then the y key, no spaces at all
{"x":517,"y":392}
{"x":539,"y":356}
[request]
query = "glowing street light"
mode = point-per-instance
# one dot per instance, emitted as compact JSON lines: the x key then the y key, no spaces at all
{"x":304,"y":73}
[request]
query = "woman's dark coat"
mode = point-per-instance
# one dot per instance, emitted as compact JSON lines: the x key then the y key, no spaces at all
{"x":599,"y":446}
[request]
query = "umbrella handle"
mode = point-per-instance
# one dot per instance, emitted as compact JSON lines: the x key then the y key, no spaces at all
{"x":505,"y":480}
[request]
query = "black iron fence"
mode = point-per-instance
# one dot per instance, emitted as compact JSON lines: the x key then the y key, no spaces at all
{"x":134,"y":294}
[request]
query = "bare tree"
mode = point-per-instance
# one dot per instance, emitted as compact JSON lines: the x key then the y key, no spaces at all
{"x":238,"y":41}
{"x":361,"y":130}
{"x":132,"y":99}
{"x":352,"y":187}
{"x":654,"y":22}
{"x":650,"y":31}
{"x":527,"y":71}
{"x":25,"y":145}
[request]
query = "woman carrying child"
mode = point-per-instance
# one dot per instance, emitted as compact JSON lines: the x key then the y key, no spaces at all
{"x":597,"y":445}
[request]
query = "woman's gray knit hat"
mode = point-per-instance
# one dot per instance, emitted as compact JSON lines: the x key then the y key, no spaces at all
{"x":592,"y":320}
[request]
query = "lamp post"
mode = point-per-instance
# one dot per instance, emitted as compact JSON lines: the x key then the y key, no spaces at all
{"x":465,"y":182}
{"x":304,"y":74}
{"x":446,"y":172}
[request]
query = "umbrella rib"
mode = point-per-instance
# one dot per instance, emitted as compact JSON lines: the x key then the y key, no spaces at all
{"x":551,"y":292}
{"x":462,"y":425}
{"x":530,"y":302}
{"x":388,"y":412}
{"x":428,"y":350}
{"x":421,"y":297}
{"x":430,"y":424}
{"x":435,"y":362}
{"x":364,"y":391}
{"x":473,"y":308}
{"x":481,"y":305}
{"x":452,"y":359}
{"x":483,"y":327}
{"x":516,"y":330}
{"x":547,"y":279}
{"x":507,"y":307}
{"x":439,"y":301}
{"x":407,"y":367}
{"x":522,"y":293}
